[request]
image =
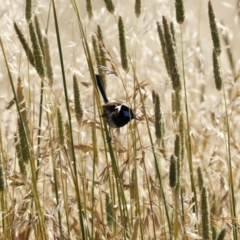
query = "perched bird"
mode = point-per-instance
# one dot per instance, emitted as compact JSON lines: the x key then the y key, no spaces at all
{"x":116,"y":114}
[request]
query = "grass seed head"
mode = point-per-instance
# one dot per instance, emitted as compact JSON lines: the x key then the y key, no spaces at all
{"x":180,"y":13}
{"x":214,"y":29}
{"x":122,"y":43}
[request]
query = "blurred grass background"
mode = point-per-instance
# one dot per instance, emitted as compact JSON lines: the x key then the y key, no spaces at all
{"x":63,"y":203}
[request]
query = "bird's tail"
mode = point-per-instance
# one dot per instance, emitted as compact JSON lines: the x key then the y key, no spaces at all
{"x":101,"y":87}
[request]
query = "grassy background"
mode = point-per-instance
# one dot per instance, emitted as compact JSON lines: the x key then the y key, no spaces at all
{"x":60,"y":197}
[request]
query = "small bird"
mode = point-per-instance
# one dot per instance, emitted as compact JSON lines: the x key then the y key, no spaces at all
{"x":116,"y":114}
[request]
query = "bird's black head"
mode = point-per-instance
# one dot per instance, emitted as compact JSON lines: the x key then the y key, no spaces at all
{"x":127,"y":112}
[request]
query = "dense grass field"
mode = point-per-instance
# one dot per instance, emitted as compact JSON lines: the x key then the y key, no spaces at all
{"x":171,"y":174}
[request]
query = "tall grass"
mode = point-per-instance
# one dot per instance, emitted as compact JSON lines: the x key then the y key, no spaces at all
{"x":172,"y":174}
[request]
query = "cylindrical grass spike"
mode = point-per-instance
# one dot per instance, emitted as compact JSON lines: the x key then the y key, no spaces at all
{"x":123,"y":47}
{"x":180,"y":14}
{"x":177,"y":146}
{"x":159,"y":120}
{"x":23,"y":143}
{"x":22,"y":167}
{"x":23,"y":107}
{"x":138,"y":6}
{"x":178,"y":103}
{"x":89,"y":8}
{"x":110,"y":6}
{"x":96,"y":53}
{"x":28,"y":10}
{"x":102,"y":55}
{"x":37,"y":52}
{"x":77,"y":101}
{"x":173,"y":172}
{"x":172,"y":58}
{"x":109,"y":209}
{"x":39,"y":34}
{"x":178,"y":154}
{"x":200,"y":178}
{"x":205,"y":217}
{"x":153,"y":96}
{"x":48,"y":61}
{"x":163,"y":45}
{"x":25,"y":45}
{"x":213,"y":211}
{"x":61,"y":137}
{"x":101,"y":51}
{"x":214,"y":29}
{"x":21,"y":163}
